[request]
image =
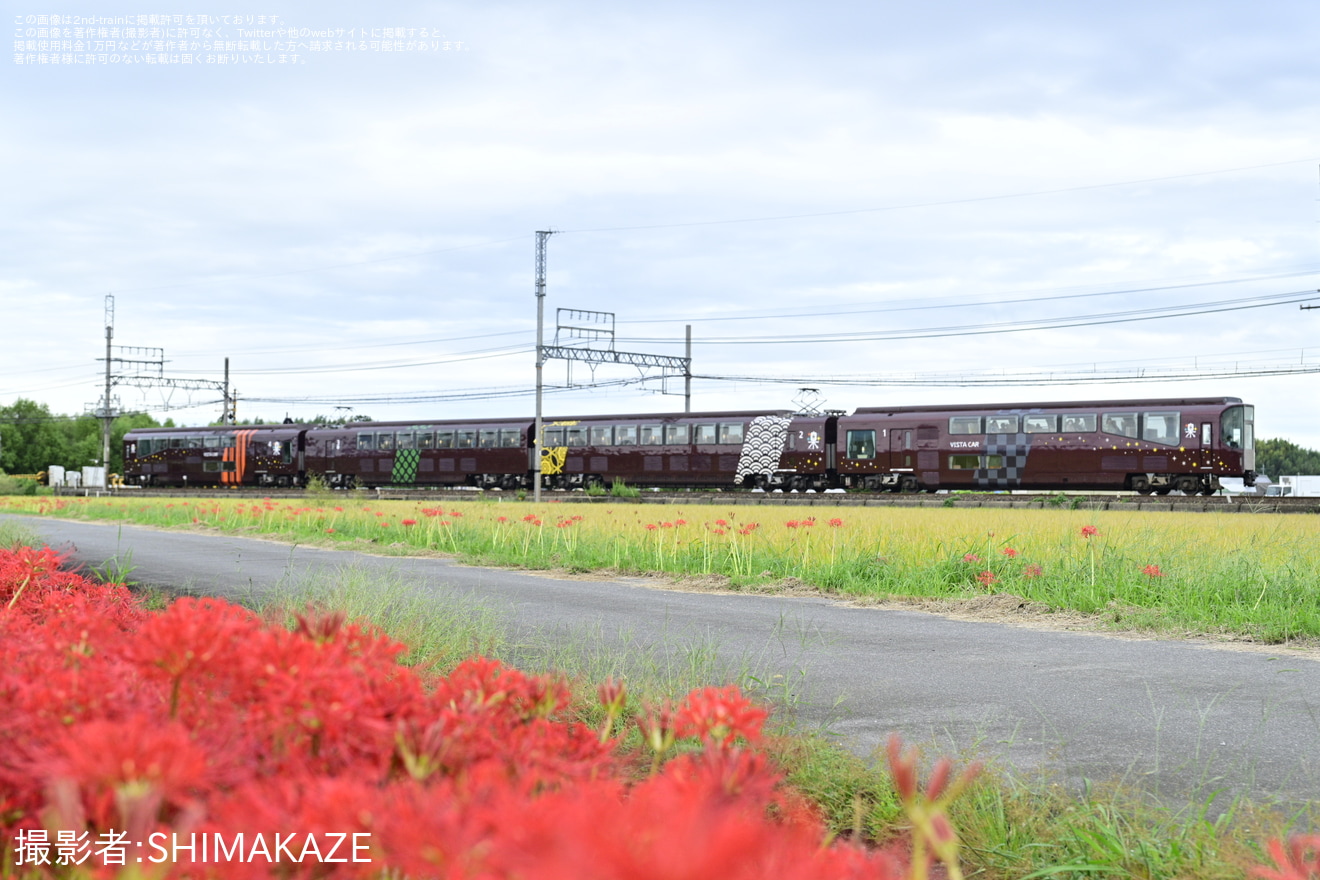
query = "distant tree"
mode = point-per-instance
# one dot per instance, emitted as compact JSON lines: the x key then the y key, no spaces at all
{"x":31,"y":438}
{"x":1274,"y":458}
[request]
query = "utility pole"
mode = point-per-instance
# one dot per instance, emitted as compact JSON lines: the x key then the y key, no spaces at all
{"x":687,"y":373}
{"x":107,"y":415}
{"x":541,"y":238}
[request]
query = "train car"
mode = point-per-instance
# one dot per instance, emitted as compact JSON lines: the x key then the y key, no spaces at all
{"x":1145,"y":446}
{"x":674,"y":450}
{"x":486,"y":454}
{"x":224,"y":455}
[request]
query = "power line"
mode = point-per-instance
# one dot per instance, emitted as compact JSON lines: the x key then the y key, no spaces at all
{"x":1123,"y":317}
{"x":946,"y":202}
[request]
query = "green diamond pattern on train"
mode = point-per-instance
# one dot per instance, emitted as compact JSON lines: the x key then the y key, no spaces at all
{"x":405,"y":466}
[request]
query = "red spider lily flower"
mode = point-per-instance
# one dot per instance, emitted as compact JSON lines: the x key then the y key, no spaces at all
{"x":809,"y":522}
{"x":717,"y":715}
{"x":666,"y":525}
{"x":986,"y":578}
{"x":409,"y":522}
{"x":680,"y":522}
{"x":1089,"y":531}
{"x":455,"y":513}
{"x":792,"y":524}
{"x":329,"y":531}
{"x":971,"y":557}
{"x":720,"y":532}
{"x":1300,"y":861}
{"x":1152,"y":571}
{"x":1009,"y":552}
{"x":651,"y":527}
{"x":339,"y":510}
{"x":1033,"y":571}
{"x":501,"y":519}
{"x":577,"y":517}
{"x":836,"y":523}
{"x":531,"y":517}
{"x":564,"y":524}
{"x":722,"y":523}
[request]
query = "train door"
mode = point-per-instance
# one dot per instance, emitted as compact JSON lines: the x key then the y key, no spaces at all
{"x":902,"y":449}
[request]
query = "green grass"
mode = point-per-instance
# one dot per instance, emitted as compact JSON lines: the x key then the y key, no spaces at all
{"x":1251,"y":576}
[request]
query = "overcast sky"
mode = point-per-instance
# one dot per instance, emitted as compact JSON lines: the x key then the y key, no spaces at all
{"x":828,"y":194}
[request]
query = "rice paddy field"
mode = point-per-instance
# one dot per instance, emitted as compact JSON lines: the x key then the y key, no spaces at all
{"x":1254,"y":577}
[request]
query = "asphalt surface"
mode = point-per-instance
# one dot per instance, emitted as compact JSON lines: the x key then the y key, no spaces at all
{"x":1180,"y":719}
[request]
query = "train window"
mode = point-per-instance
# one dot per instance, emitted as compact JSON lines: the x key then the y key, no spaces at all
{"x":175,"y":442}
{"x":465,"y":439}
{"x":425,"y":440}
{"x":706,"y":434}
{"x":366,"y":442}
{"x":1160,"y":427}
{"x":677,"y":435}
{"x":510,"y":439}
{"x":194,"y":443}
{"x":652,"y":435}
{"x":625,"y":435}
{"x":994,"y":461}
{"x":964,"y":462}
{"x":488,"y":439}
{"x":385,"y":441}
{"x":1001,"y":424}
{"x":965,"y":425}
{"x":407,"y":439}
{"x":861,"y":444}
{"x":1235,"y":428}
{"x":602,"y":435}
{"x":212,"y":466}
{"x":731,"y":433}
{"x":211,"y":441}
{"x":554,"y":437}
{"x":1079,"y":424}
{"x":1039,"y":424}
{"x":143,"y":446}
{"x":1205,"y":433}
{"x":575,"y":437}
{"x":228,"y":441}
{"x":1122,"y":424}
{"x":444,"y":439}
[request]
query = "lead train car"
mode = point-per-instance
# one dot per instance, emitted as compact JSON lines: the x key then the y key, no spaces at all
{"x":1162,"y":445}
{"x":1183,"y":444}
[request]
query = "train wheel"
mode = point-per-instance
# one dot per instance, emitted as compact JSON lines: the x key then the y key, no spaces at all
{"x":909,"y":484}
{"x":1163,"y":490}
{"x":1141,"y":484}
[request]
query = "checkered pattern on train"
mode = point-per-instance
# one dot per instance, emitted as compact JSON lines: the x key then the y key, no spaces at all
{"x":763,"y":447}
{"x":1014,"y":448}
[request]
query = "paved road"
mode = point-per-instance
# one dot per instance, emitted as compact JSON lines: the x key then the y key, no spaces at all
{"x":1176,"y":717}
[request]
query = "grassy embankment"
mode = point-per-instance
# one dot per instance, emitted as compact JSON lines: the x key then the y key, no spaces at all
{"x":1252,"y":577}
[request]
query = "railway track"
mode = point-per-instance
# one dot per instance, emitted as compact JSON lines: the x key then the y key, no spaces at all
{"x":1025,"y":501}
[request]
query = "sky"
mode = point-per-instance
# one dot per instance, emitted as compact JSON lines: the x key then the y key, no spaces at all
{"x":890,"y":203}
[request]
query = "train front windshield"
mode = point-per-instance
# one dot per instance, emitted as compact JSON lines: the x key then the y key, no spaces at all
{"x":1238,"y":428}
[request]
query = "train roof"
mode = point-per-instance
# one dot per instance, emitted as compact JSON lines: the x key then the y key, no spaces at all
{"x":218,"y":429}
{"x":1137,"y":403}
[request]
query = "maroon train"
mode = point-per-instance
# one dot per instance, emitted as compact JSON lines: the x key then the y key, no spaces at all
{"x":1145,"y":446}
